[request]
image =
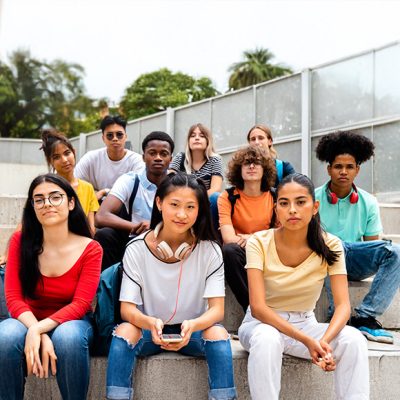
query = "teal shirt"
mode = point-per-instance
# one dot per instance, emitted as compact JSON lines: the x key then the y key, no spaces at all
{"x":350,"y":222}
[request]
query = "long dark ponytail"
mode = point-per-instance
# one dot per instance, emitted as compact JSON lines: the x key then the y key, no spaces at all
{"x":315,"y":237}
{"x":32,"y":232}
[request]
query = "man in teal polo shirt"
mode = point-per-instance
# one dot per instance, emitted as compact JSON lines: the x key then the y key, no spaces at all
{"x":352,"y":214}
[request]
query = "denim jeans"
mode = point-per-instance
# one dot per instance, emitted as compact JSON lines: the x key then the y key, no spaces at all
{"x":364,"y":259}
{"x":214,"y":211}
{"x":71,"y":342}
{"x":122,"y":361}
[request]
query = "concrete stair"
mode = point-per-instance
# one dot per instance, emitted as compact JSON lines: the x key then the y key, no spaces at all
{"x":172,"y":376}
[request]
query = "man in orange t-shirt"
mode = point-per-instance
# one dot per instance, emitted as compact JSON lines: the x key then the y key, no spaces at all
{"x":244,"y":209}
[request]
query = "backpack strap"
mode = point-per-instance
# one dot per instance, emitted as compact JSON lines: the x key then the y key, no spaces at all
{"x":133,"y":195}
{"x":279,"y":169}
{"x":232,"y":198}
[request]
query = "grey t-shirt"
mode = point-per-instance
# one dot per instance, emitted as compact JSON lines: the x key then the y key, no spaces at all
{"x":96,"y":167}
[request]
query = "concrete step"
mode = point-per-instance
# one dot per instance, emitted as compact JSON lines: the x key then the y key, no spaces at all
{"x":16,"y":178}
{"x":11,"y":209}
{"x":390,"y":216}
{"x":5,"y":232}
{"x":172,"y":376}
{"x":393,"y":238}
{"x":391,"y":318}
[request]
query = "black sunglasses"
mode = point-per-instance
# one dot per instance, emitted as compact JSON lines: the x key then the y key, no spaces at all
{"x":119,"y":135}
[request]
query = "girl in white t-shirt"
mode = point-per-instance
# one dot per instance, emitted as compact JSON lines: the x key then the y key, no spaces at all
{"x":173,"y":284}
{"x":286,"y":268}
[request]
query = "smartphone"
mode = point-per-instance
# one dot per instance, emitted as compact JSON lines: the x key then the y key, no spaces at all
{"x":171,"y":338}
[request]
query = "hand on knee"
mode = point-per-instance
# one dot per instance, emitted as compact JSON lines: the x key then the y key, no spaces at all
{"x":129,"y":332}
{"x":215,"y":333}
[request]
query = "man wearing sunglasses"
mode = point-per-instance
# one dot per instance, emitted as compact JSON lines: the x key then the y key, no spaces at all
{"x":102,"y":167}
{"x":126,"y":212}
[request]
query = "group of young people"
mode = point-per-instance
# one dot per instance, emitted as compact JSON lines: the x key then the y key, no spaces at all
{"x":158,"y":217}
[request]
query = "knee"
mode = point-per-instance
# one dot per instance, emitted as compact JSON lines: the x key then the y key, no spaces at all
{"x":353,"y":340}
{"x":72,"y":334}
{"x":12,"y":336}
{"x":215,"y":333}
{"x":129,"y":332}
{"x":265,"y":339}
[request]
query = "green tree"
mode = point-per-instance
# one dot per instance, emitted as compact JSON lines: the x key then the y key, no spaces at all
{"x":255,"y":68}
{"x":155,"y":91}
{"x":35,"y":94}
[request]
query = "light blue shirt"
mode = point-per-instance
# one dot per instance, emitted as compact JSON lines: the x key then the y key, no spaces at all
{"x":350,"y":222}
{"x":143,"y":202}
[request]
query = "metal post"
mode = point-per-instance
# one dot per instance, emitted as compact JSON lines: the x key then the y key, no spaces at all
{"x":306,"y":122}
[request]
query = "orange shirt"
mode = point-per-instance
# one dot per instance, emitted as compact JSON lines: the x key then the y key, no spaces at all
{"x":252,"y":214}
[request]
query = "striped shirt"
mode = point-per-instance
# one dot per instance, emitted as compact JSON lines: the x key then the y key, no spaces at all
{"x":211,"y":167}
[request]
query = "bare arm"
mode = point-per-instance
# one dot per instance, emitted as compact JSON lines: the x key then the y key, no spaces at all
{"x":368,"y":238}
{"x":90,"y":218}
{"x":107,"y":216}
{"x":229,"y":236}
{"x":341,"y":315}
{"x":215,"y":185}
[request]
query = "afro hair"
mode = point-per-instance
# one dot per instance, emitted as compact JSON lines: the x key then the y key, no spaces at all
{"x":344,"y":142}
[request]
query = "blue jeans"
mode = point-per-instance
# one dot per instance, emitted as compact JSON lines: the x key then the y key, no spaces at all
{"x":214,"y":211}
{"x":122,"y":361}
{"x":71,"y":342}
{"x":364,"y":259}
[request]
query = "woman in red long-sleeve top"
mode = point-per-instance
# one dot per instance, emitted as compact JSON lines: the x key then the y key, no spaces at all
{"x":52,"y":274}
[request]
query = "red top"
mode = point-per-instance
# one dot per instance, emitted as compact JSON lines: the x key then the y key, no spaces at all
{"x":62,"y":298}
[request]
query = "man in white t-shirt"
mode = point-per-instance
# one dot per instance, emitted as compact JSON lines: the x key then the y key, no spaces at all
{"x":102,"y":167}
{"x":126,"y":211}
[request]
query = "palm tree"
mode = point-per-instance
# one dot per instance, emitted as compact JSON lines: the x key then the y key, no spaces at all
{"x":255,"y":68}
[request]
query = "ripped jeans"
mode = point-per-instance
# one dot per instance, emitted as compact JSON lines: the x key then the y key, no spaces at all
{"x":122,"y":362}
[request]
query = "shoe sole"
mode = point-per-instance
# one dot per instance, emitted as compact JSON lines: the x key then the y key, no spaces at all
{"x":380,"y":339}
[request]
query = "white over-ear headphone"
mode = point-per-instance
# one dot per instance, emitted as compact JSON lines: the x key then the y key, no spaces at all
{"x":164,"y":250}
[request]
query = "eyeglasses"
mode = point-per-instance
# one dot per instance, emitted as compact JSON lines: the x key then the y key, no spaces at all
{"x":247,"y":163}
{"x":111,"y":135}
{"x":55,"y":199}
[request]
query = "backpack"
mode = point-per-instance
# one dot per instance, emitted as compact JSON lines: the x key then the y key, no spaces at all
{"x":127,"y":215}
{"x":279,"y":169}
{"x":3,"y":305}
{"x":107,"y":312}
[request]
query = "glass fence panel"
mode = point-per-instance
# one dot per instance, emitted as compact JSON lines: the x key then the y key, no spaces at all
{"x":291,"y":152}
{"x":386,"y":160}
{"x":342,"y":93}
{"x":387,"y":82}
{"x":133,"y":133}
{"x":232,"y":117}
{"x":156,"y":123}
{"x":188,"y":116}
{"x":279,"y":106}
{"x":94,"y":141}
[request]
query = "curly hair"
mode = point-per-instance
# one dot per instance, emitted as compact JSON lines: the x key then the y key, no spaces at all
{"x":344,"y":142}
{"x":247,"y":155}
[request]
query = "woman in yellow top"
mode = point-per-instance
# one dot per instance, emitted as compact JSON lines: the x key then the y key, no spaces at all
{"x":286,"y":268}
{"x":60,"y":156}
